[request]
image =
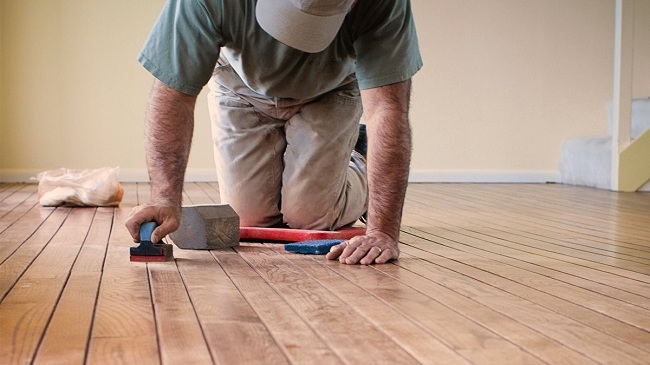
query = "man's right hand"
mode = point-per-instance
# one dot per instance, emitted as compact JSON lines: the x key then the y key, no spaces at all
{"x":166,"y":216}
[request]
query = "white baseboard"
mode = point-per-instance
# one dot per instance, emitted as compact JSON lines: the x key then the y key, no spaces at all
{"x":416,"y":176}
{"x":484,"y":176}
{"x":126,"y":175}
{"x":141,"y":175}
{"x":18,"y":176}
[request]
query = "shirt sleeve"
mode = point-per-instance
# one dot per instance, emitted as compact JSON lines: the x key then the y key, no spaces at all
{"x":387,"y":46}
{"x":183,"y":46}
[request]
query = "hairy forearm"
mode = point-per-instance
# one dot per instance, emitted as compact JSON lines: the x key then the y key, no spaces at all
{"x":389,"y":155}
{"x":169,"y":124}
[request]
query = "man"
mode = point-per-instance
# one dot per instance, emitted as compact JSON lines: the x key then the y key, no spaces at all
{"x":291,"y":81}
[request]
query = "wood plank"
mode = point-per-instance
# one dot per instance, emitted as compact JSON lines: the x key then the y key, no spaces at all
{"x":8,"y":189}
{"x":533,"y":249}
{"x":143,"y":193}
{"x":6,"y":192}
{"x":23,"y":242}
{"x":546,"y":274}
{"x":423,"y":346}
{"x":17,"y":225}
{"x":39,"y":289}
{"x":179,"y":331}
{"x":463,"y":294}
{"x":233,"y":330}
{"x":354,"y":339}
{"x":212,"y":189}
{"x":508,"y":244}
{"x":472,"y":341}
{"x":635,"y":271}
{"x":10,"y":202}
{"x":528,"y":209}
{"x":613,"y":204}
{"x":295,"y":338}
{"x":583,"y":277}
{"x":130,"y":198}
{"x":545,"y":333}
{"x":489,"y":270}
{"x":68,"y":332}
{"x":21,"y":326}
{"x":124,"y":329}
{"x":603,"y":216}
{"x":197,"y":194}
{"x":532,"y":228}
{"x":532,"y":212}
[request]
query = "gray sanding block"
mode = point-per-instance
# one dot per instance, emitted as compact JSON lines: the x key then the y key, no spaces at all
{"x":207,"y":227}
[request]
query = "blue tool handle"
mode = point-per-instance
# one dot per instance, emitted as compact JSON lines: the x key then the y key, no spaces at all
{"x":145,"y":231}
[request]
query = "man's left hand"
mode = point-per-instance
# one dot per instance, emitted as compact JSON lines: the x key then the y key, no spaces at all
{"x":374,"y":247}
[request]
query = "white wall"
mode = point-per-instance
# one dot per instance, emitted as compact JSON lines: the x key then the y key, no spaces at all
{"x":504,"y":83}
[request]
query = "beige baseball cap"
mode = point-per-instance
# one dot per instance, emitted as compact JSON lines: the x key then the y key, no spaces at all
{"x":307,"y":25}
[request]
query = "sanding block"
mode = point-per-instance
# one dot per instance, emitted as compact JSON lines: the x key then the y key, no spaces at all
{"x":148,"y":251}
{"x":312,"y":247}
{"x":207,"y":227}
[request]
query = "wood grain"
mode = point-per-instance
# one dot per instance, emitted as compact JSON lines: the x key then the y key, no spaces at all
{"x":489,"y":274}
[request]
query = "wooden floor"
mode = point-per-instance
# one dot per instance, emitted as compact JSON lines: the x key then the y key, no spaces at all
{"x":489,"y":274}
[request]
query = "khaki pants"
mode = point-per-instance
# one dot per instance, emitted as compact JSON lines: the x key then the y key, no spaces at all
{"x":287,"y":161}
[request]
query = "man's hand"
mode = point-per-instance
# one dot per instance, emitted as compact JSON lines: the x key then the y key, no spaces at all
{"x":168,"y":128}
{"x":374,"y":247}
{"x":166,"y":216}
{"x":385,"y":110}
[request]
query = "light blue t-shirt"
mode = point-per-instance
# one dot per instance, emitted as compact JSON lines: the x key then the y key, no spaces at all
{"x":377,"y":43}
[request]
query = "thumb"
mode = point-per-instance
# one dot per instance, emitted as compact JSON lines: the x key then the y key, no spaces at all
{"x":157,"y":235}
{"x":168,"y":226}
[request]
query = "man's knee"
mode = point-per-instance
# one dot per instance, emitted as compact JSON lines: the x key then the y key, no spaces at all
{"x":308,"y":216}
{"x":254,"y":215}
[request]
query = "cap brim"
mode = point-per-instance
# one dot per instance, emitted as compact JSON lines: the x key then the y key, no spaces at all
{"x":305,"y":32}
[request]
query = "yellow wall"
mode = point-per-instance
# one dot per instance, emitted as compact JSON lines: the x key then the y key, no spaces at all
{"x":507,"y":81}
{"x":73,"y":94}
{"x":642,"y":49}
{"x":504,"y":83}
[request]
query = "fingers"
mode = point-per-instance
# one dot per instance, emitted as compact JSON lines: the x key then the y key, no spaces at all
{"x":386,"y":256}
{"x":167,"y":218}
{"x":336,"y":251}
{"x":364,"y":250}
{"x":362,"y":254}
{"x":133,"y":224}
{"x":373,"y":253}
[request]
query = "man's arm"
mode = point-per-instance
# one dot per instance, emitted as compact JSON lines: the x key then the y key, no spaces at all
{"x":385,"y":111}
{"x":169,"y":124}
